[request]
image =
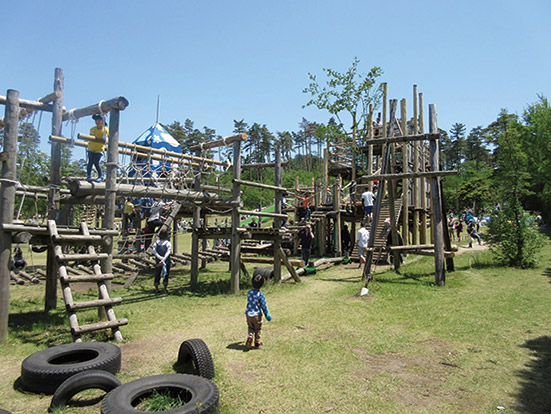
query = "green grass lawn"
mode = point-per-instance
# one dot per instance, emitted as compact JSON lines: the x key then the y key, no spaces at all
{"x":480,"y":342}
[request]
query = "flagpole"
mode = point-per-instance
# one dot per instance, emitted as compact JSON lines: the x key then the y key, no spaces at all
{"x":158,"y":104}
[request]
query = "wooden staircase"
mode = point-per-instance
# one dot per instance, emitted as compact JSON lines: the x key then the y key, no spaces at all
{"x":87,"y":241}
{"x":381,"y":232}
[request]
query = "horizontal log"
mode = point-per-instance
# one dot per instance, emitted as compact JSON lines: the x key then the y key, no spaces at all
{"x":30,"y":278}
{"x":407,"y":138}
{"x":81,"y":257}
{"x":85,"y":269}
{"x":33,"y":105}
{"x":259,"y":185}
{"x":263,"y":165}
{"x":218,"y":143}
{"x":81,"y":188}
{"x":86,"y":278}
{"x":51,"y":97}
{"x":120,"y":103}
{"x":98,"y":326}
{"x":76,"y":238}
{"x":261,"y":214}
{"x":145,"y":151}
{"x":39,"y":189}
{"x":399,"y":176}
{"x":41,"y":273}
{"x":430,"y":253}
{"x":60,"y":229}
{"x":31,"y":194}
{"x":294,"y":262}
{"x":16,"y":279}
{"x":93,"y":303}
{"x":124,"y":266}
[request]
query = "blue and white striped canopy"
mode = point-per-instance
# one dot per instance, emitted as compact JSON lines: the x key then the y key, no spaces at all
{"x":157,"y":137}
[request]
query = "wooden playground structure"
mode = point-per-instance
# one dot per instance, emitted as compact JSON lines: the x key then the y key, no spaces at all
{"x":398,"y":154}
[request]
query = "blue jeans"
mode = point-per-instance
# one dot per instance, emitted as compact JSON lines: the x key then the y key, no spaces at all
{"x":158,"y":271}
{"x":93,"y":161}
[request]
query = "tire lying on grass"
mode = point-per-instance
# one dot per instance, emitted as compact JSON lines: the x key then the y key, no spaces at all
{"x":198,"y":394}
{"x":194,"y":357}
{"x":85,"y":380}
{"x":266,"y":272}
{"x":44,"y":371}
{"x":4,"y":411}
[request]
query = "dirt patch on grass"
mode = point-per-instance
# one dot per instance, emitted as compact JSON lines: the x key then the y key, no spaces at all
{"x":419,"y":376}
{"x":138,"y":354}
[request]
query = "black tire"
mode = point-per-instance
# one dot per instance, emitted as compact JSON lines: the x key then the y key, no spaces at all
{"x":84,"y":380}
{"x":266,"y":272}
{"x":4,"y":411}
{"x":200,"y":394}
{"x":194,"y":357}
{"x":44,"y":371}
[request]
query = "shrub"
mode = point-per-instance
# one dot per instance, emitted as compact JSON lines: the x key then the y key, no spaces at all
{"x":514,"y":236}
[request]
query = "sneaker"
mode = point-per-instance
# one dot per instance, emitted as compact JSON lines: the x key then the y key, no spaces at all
{"x":258,"y":344}
{"x":249,"y":342}
{"x":89,"y":179}
{"x":364,"y":291}
{"x":99,"y":179}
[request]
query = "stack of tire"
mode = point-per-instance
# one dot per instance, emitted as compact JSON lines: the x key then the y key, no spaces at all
{"x":66,"y":370}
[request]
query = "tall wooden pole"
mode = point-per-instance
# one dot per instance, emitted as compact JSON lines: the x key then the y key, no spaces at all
{"x":369,"y":148}
{"x":440,"y":273}
{"x":277,"y":221}
{"x":55,"y":182}
{"x":7,"y":202}
{"x":196,"y":211}
{"x":416,"y":186}
{"x":405,"y":169}
{"x":423,"y":234}
{"x":235,"y":251}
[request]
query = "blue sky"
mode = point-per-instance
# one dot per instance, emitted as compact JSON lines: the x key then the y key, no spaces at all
{"x":216,"y":61}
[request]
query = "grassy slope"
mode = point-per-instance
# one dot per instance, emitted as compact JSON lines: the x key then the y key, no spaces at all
{"x":481,"y":341}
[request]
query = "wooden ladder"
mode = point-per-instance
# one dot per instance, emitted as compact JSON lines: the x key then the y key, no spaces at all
{"x":88,"y":241}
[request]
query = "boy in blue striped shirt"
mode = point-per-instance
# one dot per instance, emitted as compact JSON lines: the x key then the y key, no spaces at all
{"x":256,"y":304}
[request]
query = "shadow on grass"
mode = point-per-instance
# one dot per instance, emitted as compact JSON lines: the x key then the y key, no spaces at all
{"x":351,"y":279}
{"x":535,"y":394}
{"x":40,"y":328}
{"x":238,"y":346}
{"x":547,"y":273}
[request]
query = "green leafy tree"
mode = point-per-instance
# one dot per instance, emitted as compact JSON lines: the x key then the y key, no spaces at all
{"x":475,"y":150}
{"x":350,"y":92}
{"x":511,"y":231}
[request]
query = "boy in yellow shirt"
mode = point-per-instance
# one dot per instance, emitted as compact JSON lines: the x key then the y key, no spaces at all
{"x":96,"y":147}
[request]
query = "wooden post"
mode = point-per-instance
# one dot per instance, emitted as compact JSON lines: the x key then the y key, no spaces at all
{"x":325,"y":174}
{"x":277,"y":221}
{"x":111,"y":201}
{"x":235,"y":247}
{"x":194,"y":278}
{"x":204,"y":243}
{"x":55,"y":181}
{"x":392,"y":188}
{"x":423,"y":234}
{"x":175,"y":237}
{"x":7,"y":202}
{"x":440,"y":273}
{"x":405,"y":169}
{"x":337,"y":207}
{"x":196,"y":211}
{"x":416,"y":186}
{"x":369,"y":148}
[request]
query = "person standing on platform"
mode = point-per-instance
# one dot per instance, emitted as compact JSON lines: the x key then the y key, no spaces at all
{"x":96,"y":147}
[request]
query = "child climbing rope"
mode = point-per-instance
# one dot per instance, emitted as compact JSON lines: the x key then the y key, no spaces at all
{"x":256,"y":304}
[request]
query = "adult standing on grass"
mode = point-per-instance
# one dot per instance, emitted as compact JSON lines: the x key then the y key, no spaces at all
{"x":96,"y":147}
{"x":306,"y":241}
{"x":162,"y":250}
{"x":362,"y":238}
